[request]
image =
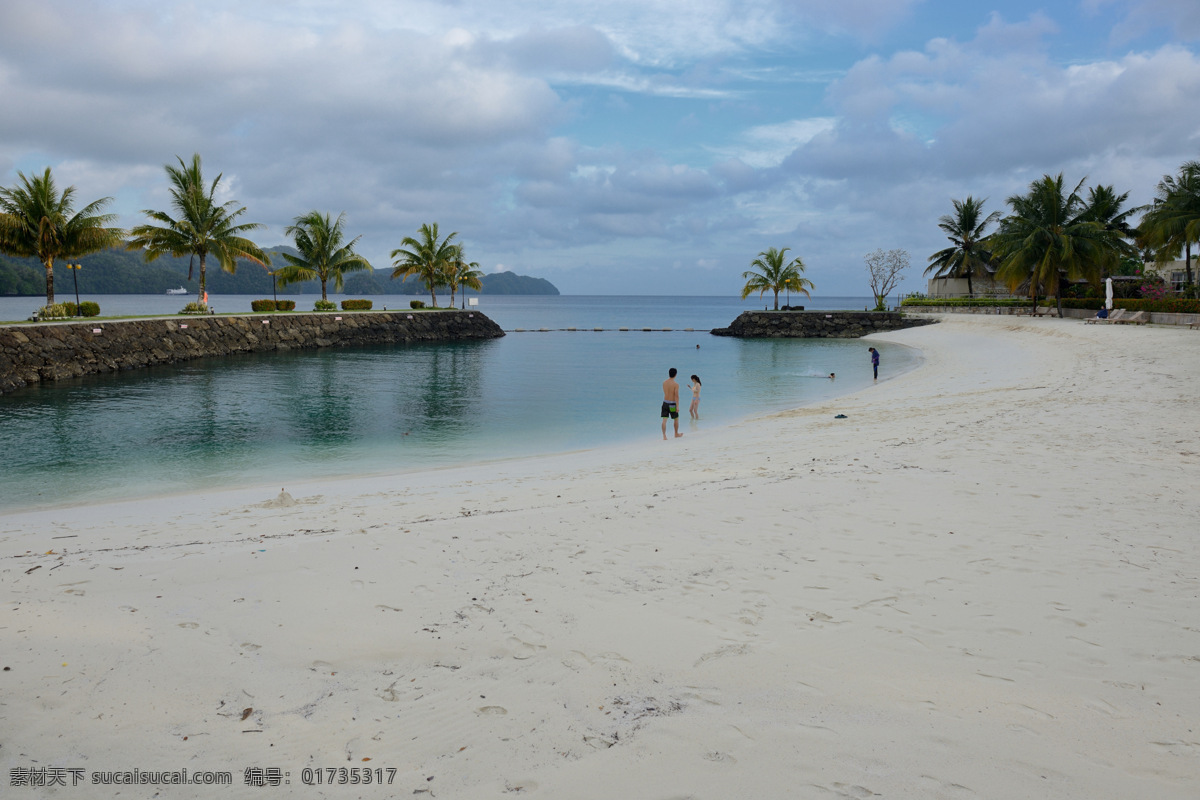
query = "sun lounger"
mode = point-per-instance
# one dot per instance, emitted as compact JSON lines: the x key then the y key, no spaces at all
{"x":1137,"y":318}
{"x":1043,"y":311}
{"x":1113,"y":316}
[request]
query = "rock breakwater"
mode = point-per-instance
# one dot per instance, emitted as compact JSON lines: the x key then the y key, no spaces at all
{"x":53,"y":351}
{"x":817,"y":324}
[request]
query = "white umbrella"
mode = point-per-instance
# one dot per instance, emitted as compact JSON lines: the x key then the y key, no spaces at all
{"x":1108,"y":294}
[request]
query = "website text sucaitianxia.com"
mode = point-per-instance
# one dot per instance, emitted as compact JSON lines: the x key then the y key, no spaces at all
{"x":250,"y":776}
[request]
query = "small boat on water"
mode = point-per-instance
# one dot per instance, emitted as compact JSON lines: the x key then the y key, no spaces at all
{"x":180,"y":290}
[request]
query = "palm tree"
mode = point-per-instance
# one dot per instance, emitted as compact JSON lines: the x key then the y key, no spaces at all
{"x":775,"y":276}
{"x":322,"y":254}
{"x":35,"y":220}
{"x":466,"y":275}
{"x":203,"y":226}
{"x":429,"y":258}
{"x":1172,"y":221}
{"x":965,"y":228}
{"x":1050,"y":236}
{"x":1105,"y":206}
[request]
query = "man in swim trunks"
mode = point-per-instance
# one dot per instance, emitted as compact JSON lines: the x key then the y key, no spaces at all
{"x":670,"y":406}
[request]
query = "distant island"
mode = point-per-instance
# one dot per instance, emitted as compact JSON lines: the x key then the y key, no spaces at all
{"x":122,"y":271}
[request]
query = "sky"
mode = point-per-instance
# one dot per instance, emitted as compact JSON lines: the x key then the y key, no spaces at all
{"x":624,"y":147}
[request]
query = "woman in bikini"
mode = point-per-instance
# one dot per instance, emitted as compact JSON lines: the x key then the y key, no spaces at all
{"x":695,"y":387}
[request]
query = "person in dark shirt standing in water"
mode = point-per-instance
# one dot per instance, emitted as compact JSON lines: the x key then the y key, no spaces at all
{"x":670,"y":406}
{"x":875,"y":361}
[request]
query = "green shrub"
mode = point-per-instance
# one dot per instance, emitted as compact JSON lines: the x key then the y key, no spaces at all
{"x":964,"y":302}
{"x":416,"y":303}
{"x":285,"y":305}
{"x":194,"y":308}
{"x":1093,"y":304}
{"x":56,"y":311}
{"x":72,"y":309}
{"x":324,"y":305}
{"x":1167,"y":305}
{"x":356,"y":305}
{"x":89,"y":309}
{"x":262,"y":305}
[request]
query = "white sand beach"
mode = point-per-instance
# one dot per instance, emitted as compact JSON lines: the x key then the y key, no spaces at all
{"x":984,"y":582}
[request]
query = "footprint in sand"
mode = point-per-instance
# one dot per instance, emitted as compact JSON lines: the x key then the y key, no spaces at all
{"x":599,"y":742}
{"x":728,"y":650}
{"x":251,"y":646}
{"x":843,"y":790}
{"x":722,"y":757}
{"x":518,"y":787}
{"x":748,"y":616}
{"x":189,"y":625}
{"x":491,"y":711}
{"x":522,"y":650}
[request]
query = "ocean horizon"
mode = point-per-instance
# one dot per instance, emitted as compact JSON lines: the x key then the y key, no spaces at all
{"x":272,"y":418}
{"x":700,"y":310}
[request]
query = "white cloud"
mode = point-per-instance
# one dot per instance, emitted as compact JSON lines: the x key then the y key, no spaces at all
{"x":768,"y":145}
{"x":1182,"y":17}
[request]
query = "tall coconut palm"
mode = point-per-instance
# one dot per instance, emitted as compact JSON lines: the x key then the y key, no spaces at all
{"x":463,"y":274}
{"x":1107,"y":207}
{"x":775,"y":276}
{"x":322,"y":253}
{"x":1049,"y":236}
{"x":1172,"y":221}
{"x":966,"y":230}
{"x":202,"y":226}
{"x":36,"y":220}
{"x":429,"y":258}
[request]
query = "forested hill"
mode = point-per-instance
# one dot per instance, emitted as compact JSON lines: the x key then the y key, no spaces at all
{"x":126,"y":272}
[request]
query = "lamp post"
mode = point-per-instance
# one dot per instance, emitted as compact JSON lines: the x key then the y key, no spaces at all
{"x":75,"y":274}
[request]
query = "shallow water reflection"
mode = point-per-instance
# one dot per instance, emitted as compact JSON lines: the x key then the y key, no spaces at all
{"x":261,"y":419}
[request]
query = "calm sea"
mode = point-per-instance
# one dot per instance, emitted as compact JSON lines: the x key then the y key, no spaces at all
{"x":267,"y":419}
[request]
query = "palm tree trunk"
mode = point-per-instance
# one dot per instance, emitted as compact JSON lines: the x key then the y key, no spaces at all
{"x":776,"y":299}
{"x":970,"y":289}
{"x":200,"y":294}
{"x":324,"y":299}
{"x":1187,"y":261}
{"x":49,"y":265}
{"x":1058,"y":296}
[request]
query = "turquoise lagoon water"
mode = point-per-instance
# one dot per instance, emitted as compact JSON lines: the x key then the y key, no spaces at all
{"x":273,"y":418}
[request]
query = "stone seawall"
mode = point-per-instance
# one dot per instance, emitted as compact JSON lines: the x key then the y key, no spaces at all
{"x":818,"y":324}
{"x":53,"y":351}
